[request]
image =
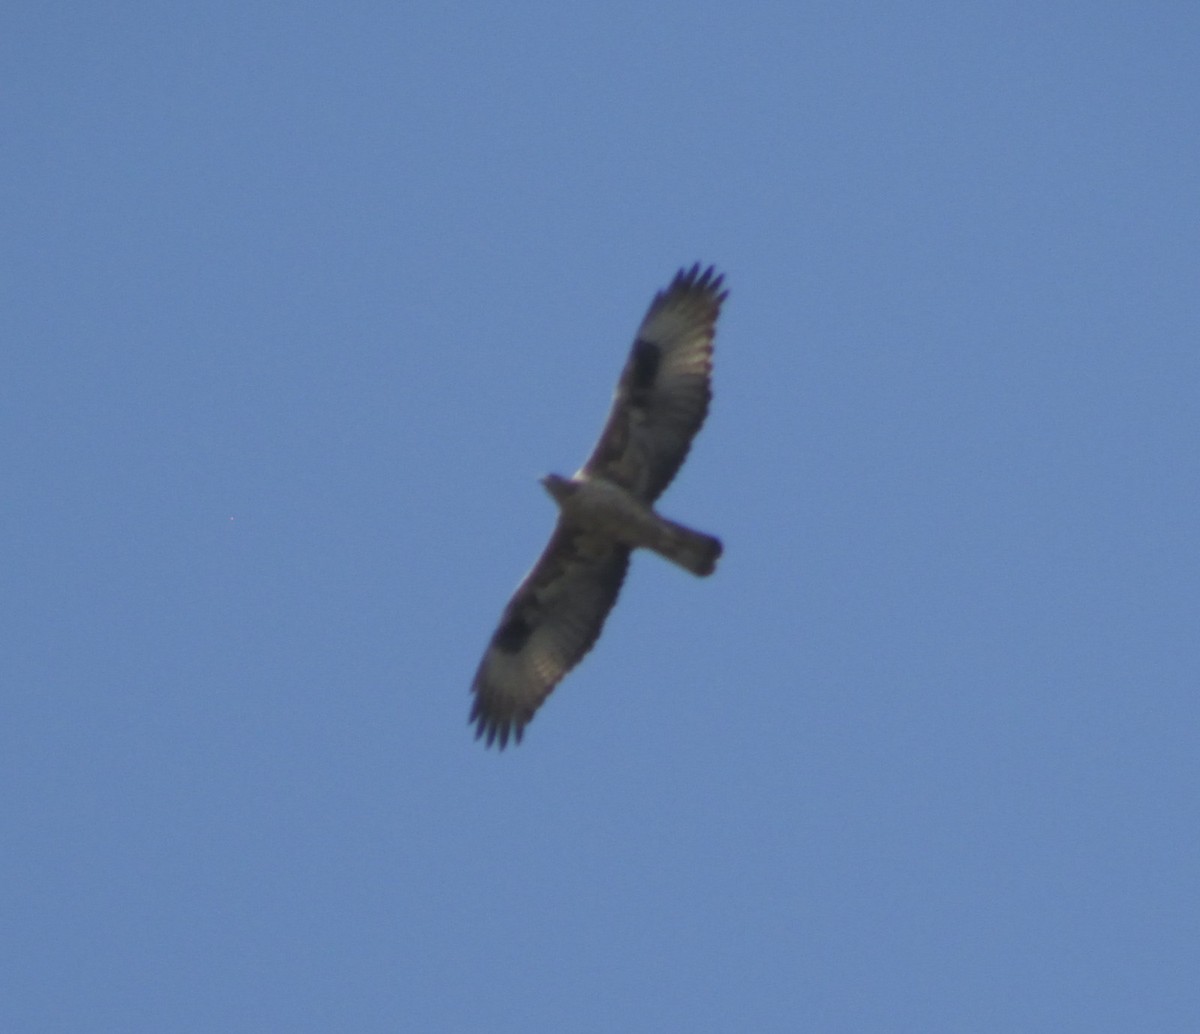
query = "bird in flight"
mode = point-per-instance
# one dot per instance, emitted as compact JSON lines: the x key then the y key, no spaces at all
{"x":605,"y":511}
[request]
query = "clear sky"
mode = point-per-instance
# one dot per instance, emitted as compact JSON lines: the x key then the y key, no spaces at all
{"x":297,"y":301}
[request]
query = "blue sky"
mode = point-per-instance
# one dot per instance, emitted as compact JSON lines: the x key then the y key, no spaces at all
{"x":298,"y":301}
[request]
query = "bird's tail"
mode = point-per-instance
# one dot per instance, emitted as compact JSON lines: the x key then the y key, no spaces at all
{"x":690,"y":549}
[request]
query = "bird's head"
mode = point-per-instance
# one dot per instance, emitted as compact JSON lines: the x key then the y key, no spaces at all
{"x":559,"y":487}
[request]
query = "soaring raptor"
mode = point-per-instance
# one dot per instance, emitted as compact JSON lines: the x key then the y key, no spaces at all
{"x":557,"y":612}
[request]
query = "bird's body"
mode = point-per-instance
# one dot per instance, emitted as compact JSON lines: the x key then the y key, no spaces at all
{"x":604,"y":508}
{"x":605,"y":511}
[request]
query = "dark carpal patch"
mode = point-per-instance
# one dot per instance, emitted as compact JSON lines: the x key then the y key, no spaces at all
{"x":513,"y":634}
{"x":644,"y":365}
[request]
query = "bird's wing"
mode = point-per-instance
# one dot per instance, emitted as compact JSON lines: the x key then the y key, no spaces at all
{"x":663,"y":395}
{"x":552,"y":621}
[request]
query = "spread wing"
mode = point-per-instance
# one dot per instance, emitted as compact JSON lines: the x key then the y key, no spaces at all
{"x":552,"y":621}
{"x":663,"y":394}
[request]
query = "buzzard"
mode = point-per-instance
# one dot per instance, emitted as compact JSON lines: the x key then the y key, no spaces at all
{"x":557,"y":612}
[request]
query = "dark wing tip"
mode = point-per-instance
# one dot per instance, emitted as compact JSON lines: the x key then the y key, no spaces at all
{"x":694,"y":280}
{"x":495,"y":729}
